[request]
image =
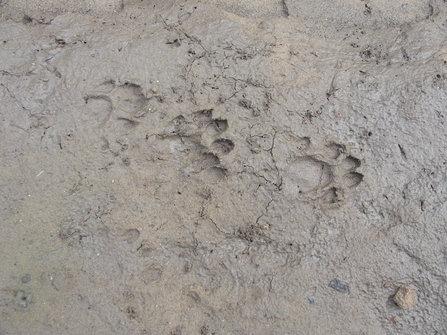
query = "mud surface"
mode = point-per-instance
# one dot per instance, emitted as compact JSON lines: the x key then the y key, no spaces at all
{"x":189,"y":168}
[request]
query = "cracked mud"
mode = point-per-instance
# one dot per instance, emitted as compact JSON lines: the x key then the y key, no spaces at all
{"x":179,"y":169}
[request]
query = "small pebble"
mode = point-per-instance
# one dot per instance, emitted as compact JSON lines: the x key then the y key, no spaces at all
{"x":339,"y":286}
{"x":406,"y":297}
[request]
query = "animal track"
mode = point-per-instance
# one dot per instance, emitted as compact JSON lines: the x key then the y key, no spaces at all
{"x":306,"y":169}
{"x":201,"y":136}
{"x":222,"y":146}
{"x":98,"y":110}
{"x":127,"y":101}
{"x":203,"y":128}
{"x":317,"y":171}
{"x":129,"y":98}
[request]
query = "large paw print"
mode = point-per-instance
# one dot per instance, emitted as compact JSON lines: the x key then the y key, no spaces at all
{"x":126,"y":102}
{"x":198,"y":140}
{"x":203,"y":129}
{"x":319,"y":172}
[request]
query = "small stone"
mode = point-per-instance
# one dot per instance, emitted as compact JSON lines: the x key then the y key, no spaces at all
{"x":339,"y":286}
{"x":406,"y":297}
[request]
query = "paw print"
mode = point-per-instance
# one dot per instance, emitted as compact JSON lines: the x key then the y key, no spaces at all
{"x":322,"y":172}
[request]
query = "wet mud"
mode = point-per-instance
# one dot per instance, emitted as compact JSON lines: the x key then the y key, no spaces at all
{"x":178,"y":169}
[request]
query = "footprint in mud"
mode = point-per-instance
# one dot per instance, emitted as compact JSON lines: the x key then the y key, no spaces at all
{"x":97,"y":111}
{"x":131,"y":235}
{"x":318,"y":172}
{"x":129,"y":98}
{"x":222,"y":146}
{"x":198,"y":140}
{"x":23,"y":300}
{"x":200,"y":126}
{"x":192,"y":125}
{"x":125,"y":103}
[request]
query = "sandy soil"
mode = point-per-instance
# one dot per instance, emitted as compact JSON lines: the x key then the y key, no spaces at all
{"x":223,"y":167}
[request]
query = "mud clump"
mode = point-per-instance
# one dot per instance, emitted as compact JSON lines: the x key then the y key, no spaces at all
{"x":406,"y":297}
